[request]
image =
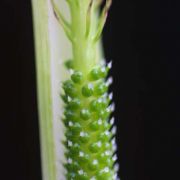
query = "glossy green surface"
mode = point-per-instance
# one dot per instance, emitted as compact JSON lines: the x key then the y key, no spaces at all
{"x":89,"y":146}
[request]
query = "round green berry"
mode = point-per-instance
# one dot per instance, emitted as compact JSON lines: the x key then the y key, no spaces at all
{"x":95,"y":74}
{"x":87,"y":90}
{"x":81,"y":175}
{"x":95,"y":147}
{"x":77,"y":77}
{"x":104,"y":174}
{"x":75,"y":103}
{"x":103,"y":72}
{"x":96,"y":105}
{"x":94,"y":126}
{"x":101,"y":88}
{"x":93,"y":165}
{"x":105,"y":102}
{"x":76,"y":128}
{"x":64,"y":98}
{"x":84,"y":137}
{"x":104,"y":113}
{"x":75,"y":148}
{"x":106,"y":125}
{"x":70,"y":115}
{"x":83,"y":158}
{"x":69,"y":135}
{"x":70,"y":175}
{"x":72,"y":165}
{"x":75,"y":166}
{"x":69,"y":88}
{"x":105,"y":136}
{"x":85,"y":114}
{"x":69,"y":64}
{"x":98,"y":73}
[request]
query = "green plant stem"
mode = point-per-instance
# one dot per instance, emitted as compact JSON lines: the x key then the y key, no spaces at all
{"x":40,"y":12}
{"x":83,"y":49}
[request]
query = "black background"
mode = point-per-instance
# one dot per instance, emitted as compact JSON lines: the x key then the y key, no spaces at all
{"x":143,"y":39}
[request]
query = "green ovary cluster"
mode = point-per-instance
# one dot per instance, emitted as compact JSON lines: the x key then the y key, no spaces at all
{"x":90,"y":143}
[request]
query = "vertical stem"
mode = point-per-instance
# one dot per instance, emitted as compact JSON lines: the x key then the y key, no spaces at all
{"x":40,"y":12}
{"x":84,"y":51}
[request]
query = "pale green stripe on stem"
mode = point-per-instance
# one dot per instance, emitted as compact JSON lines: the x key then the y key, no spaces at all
{"x":40,"y":14}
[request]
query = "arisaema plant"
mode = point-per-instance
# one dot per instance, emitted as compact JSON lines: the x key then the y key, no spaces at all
{"x":88,"y":133}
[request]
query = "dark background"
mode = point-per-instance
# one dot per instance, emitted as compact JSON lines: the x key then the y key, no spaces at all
{"x":143,"y":39}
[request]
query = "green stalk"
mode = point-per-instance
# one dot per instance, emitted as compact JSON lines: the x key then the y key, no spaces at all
{"x":40,"y":12}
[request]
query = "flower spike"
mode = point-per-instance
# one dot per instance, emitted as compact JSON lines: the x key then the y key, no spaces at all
{"x":89,"y":129}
